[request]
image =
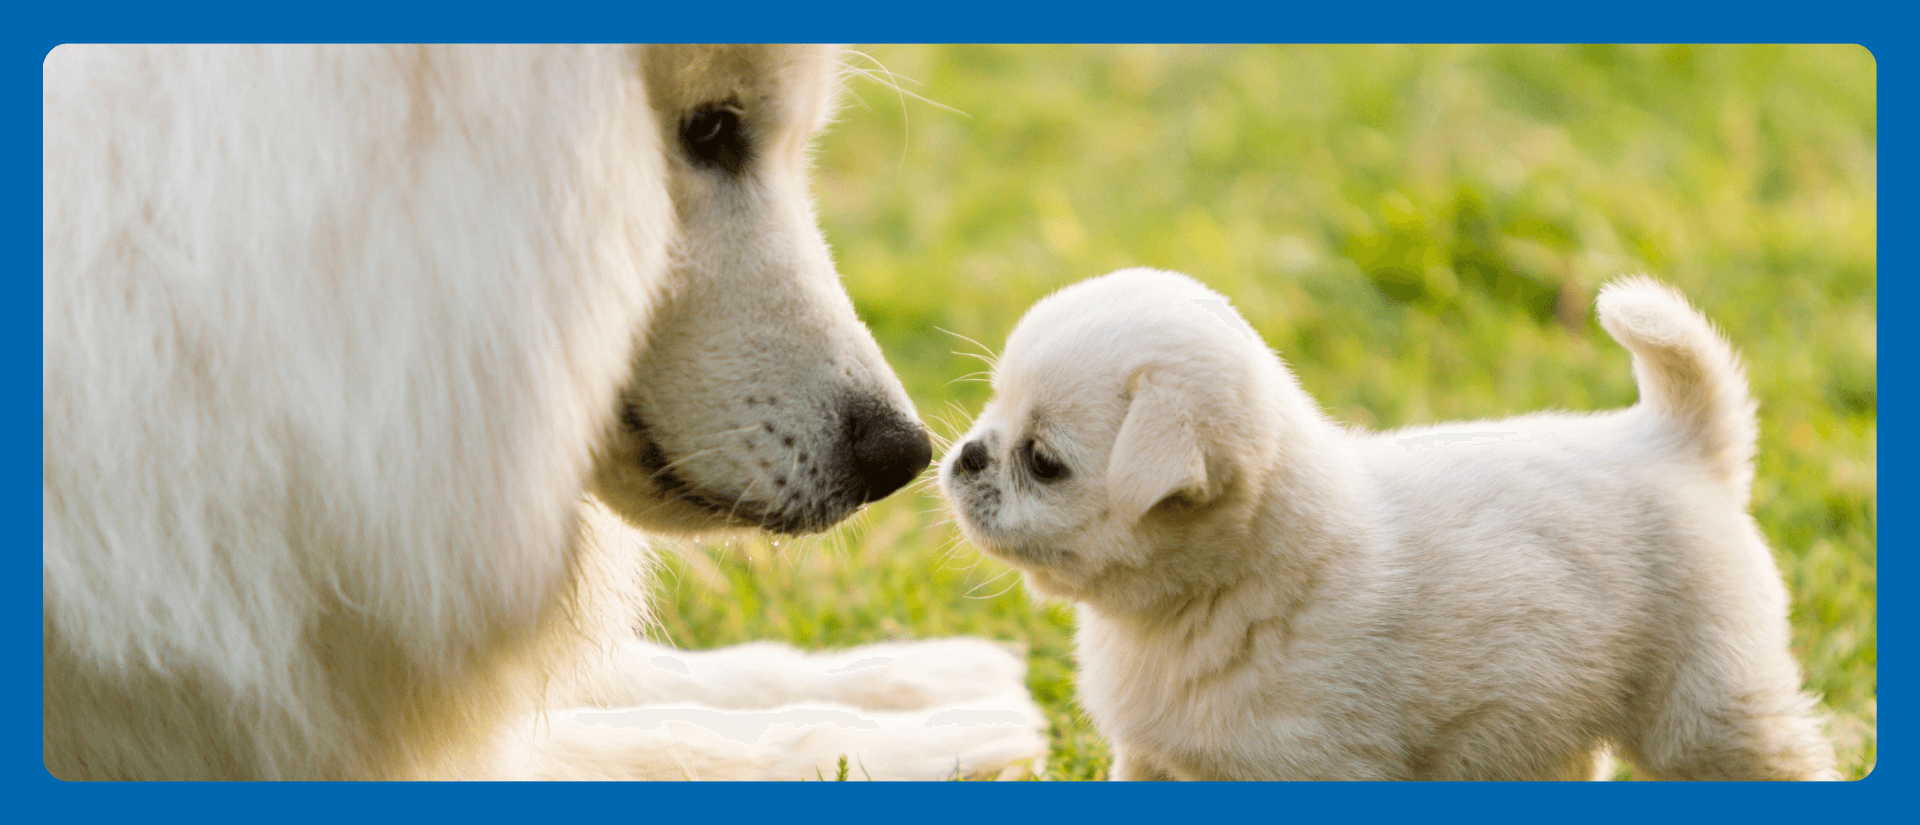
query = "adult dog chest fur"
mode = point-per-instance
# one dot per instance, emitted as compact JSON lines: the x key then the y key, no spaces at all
{"x":1264,"y":594}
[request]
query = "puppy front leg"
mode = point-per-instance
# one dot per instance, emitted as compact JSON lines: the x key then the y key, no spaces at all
{"x":1133,"y":766}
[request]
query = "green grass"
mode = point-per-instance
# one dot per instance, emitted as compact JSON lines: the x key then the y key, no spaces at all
{"x":1418,"y":231}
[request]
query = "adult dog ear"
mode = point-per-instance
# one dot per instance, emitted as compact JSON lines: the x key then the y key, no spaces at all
{"x":1158,"y":452}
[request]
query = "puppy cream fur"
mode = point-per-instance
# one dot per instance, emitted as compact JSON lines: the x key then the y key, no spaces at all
{"x":1267,"y":595}
{"x":336,"y":337}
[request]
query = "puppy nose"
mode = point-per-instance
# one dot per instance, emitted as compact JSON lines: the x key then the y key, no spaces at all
{"x":889,"y":449}
{"x":973,"y":458}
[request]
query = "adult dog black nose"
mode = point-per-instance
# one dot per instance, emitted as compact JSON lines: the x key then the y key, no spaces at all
{"x":973,"y":458}
{"x":889,"y":449}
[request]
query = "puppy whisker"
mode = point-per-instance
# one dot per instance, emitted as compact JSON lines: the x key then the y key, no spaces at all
{"x":990,"y":360}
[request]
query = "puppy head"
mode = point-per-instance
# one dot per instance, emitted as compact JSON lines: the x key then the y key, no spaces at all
{"x":758,"y":398}
{"x":1127,"y":409}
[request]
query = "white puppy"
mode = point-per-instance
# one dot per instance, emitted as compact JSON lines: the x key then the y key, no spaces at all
{"x":1266,"y":595}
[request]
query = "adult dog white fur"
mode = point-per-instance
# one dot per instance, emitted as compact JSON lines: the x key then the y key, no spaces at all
{"x":335,"y":344}
{"x":1267,"y":595}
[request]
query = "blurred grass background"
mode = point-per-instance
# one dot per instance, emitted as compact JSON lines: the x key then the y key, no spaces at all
{"x":1418,"y":231}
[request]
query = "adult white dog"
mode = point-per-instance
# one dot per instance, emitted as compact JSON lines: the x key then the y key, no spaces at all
{"x":336,"y":338}
{"x":1267,"y":595}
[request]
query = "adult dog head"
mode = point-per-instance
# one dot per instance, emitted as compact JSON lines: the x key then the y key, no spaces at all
{"x":758,"y":399}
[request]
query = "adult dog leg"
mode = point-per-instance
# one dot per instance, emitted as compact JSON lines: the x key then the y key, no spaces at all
{"x":908,"y":675}
{"x":992,"y":737}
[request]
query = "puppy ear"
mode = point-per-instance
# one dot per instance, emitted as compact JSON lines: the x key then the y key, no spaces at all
{"x":1158,"y":451}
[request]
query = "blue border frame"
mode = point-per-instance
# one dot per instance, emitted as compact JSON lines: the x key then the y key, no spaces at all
{"x":35,"y":796}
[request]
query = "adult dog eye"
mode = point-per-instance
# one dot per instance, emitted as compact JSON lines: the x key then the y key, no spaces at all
{"x":712,"y":136}
{"x":1043,"y":467}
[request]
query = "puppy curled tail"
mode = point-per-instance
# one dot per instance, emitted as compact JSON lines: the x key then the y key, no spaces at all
{"x":1687,"y":372}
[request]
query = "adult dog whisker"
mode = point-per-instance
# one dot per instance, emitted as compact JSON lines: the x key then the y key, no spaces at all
{"x":669,"y":466}
{"x":997,"y":577}
{"x":892,"y":82}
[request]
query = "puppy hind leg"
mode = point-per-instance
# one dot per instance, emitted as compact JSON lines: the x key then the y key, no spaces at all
{"x":1709,"y":729}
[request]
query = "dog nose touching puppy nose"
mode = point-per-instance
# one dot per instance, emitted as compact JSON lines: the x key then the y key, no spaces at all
{"x":888,"y":449}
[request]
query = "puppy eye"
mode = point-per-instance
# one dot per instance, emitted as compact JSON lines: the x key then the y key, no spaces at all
{"x":1041,"y":465}
{"x":712,"y":136}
